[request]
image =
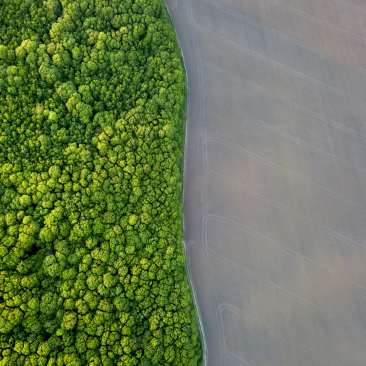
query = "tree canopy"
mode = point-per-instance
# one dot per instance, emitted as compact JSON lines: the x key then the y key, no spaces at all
{"x":92,"y":272}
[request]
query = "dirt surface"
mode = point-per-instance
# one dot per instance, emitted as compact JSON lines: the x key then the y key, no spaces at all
{"x":275,"y":184}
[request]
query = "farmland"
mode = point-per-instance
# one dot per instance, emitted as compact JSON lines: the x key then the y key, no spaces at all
{"x":275,"y":196}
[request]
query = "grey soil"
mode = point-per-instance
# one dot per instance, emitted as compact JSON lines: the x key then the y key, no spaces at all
{"x":275,"y":184}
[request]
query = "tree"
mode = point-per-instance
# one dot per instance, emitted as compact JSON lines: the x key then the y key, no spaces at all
{"x":91,"y":261}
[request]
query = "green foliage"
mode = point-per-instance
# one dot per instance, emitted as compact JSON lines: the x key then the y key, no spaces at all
{"x":91,"y":126}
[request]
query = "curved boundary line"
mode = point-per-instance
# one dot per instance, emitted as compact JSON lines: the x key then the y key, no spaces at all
{"x":186,"y":245}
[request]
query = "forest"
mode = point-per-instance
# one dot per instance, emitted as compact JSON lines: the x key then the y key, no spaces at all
{"x":92,"y":108}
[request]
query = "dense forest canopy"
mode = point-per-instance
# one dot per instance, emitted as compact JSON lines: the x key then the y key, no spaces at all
{"x":92,"y":272}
